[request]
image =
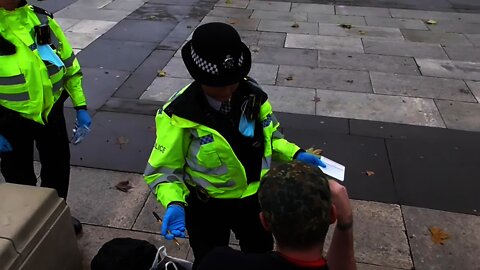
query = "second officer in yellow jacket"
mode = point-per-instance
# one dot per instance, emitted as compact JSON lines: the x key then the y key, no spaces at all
{"x":216,"y":139}
{"x":38,"y":72}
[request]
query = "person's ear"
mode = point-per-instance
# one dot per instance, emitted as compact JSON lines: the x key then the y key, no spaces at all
{"x":265,"y":223}
{"x":333,"y":214}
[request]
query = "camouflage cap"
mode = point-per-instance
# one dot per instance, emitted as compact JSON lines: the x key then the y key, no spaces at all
{"x":296,"y":201}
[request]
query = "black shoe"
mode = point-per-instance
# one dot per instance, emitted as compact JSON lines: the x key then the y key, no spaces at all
{"x":77,"y":226}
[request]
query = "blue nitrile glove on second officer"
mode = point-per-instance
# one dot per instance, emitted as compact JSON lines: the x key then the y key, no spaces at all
{"x":310,"y":159}
{"x":173,"y":224}
{"x":83,"y":118}
{"x":4,"y":145}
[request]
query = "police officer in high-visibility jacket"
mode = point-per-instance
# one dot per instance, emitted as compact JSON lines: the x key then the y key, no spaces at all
{"x":215,"y":140}
{"x":38,"y":72}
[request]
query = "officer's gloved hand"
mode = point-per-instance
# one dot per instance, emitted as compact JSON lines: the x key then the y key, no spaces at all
{"x":4,"y":145}
{"x":310,"y":159}
{"x":174,"y":222}
{"x":83,"y":118}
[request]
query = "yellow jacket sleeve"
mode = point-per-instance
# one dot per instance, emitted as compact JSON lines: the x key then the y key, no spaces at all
{"x":165,"y":173}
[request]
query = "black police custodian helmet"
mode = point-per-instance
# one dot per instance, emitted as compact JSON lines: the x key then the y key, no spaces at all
{"x":216,"y":56}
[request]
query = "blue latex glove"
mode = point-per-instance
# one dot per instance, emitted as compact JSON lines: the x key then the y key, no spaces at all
{"x":173,"y":224}
{"x":83,"y":118}
{"x":4,"y":145}
{"x":310,"y":159}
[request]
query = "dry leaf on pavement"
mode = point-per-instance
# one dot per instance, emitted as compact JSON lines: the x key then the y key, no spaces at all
{"x":289,"y":78}
{"x":370,"y":173}
{"x":431,"y":22}
{"x":345,"y":26}
{"x":122,"y":140}
{"x":295,"y":25}
{"x":161,"y":73}
{"x":438,"y":235}
{"x":123,"y":186}
{"x":363,"y":33}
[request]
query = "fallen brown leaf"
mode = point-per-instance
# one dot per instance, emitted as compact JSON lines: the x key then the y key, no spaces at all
{"x":289,"y":78}
{"x":316,"y":99}
{"x":232,"y":22}
{"x":363,"y":33}
{"x":295,"y":25}
{"x":370,"y":173}
{"x":122,"y":140}
{"x":438,"y":235}
{"x":345,"y":26}
{"x":431,"y":22}
{"x":123,"y":186}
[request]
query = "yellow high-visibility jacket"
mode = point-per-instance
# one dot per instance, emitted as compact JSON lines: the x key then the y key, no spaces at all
{"x":28,"y":85}
{"x":189,"y":152}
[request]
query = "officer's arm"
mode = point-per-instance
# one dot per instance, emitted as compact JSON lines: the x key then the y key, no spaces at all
{"x":165,"y":169}
{"x":73,"y":76}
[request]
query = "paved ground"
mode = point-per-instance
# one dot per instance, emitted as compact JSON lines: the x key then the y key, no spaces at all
{"x":392,"y":95}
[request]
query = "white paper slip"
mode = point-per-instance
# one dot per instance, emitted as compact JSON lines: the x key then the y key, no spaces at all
{"x":333,"y":169}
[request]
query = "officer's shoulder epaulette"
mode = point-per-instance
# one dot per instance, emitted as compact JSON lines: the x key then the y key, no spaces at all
{"x":40,"y":10}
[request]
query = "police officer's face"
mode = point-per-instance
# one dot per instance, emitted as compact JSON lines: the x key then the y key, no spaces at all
{"x":222,"y":94}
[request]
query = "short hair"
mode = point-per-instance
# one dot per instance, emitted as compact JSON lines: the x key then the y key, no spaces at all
{"x":296,"y":201}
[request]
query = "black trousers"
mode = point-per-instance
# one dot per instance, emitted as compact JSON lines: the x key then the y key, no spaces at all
{"x":52,"y":143}
{"x":209,"y":224}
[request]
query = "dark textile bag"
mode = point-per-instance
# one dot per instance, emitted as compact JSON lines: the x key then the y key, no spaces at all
{"x":135,"y":254}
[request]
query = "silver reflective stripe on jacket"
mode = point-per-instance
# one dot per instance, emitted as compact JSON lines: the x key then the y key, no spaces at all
{"x":57,"y":86}
{"x":69,"y":61}
{"x":15,"y":97}
{"x":168,"y":175}
{"x":13,"y":80}
{"x":193,"y":163}
{"x":266,"y":163}
{"x":205,"y":184}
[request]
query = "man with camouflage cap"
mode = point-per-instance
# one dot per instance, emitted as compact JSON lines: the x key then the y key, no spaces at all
{"x":298,"y":204}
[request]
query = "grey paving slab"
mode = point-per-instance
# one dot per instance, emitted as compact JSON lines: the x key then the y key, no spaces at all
{"x":419,"y":86}
{"x":233,"y":4}
{"x":435,"y":37}
{"x":434,"y":15}
{"x":270,"y":39}
{"x":404,"y":48}
{"x":363,"y":106}
{"x":289,"y":27}
{"x":91,"y":3}
{"x":264,"y":73}
{"x":145,"y":221}
{"x":160,"y":12}
{"x":474,"y":38}
{"x":180,"y":2}
{"x":179,"y":34}
{"x":125,"y":5}
{"x":94,"y":237}
{"x":66,"y":23}
{"x":176,"y":68}
{"x":285,"y":56}
{"x":144,"y":75}
{"x":53,"y":5}
{"x":116,"y":138}
{"x":80,"y":40}
{"x":115,"y":54}
{"x":396,"y":23}
{"x":449,"y":69}
{"x":455,"y":27}
{"x":460,"y":115}
{"x":379,"y":235}
{"x":367,"y":62}
{"x":230,"y":12}
{"x":317,"y":124}
{"x":280,"y":16}
{"x":345,"y":44}
{"x":463,"y":53}
{"x":475,"y":88}
{"x":163,"y":88}
{"x":360,"y":31}
{"x":269,"y":5}
{"x":99,"y":84}
{"x":133,"y":106}
{"x":291,"y":99}
{"x":91,"y":13}
{"x":334,"y":79}
{"x":106,"y":205}
{"x":362,"y":11}
{"x":313,"y":8}
{"x":459,"y":251}
{"x":141,"y":30}
{"x":336,"y":19}
{"x":237,"y":23}
{"x":250,"y":38}
{"x":98,"y":27}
